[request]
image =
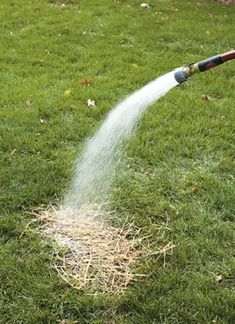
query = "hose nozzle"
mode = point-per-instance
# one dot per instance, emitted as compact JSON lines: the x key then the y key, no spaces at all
{"x":184,"y":73}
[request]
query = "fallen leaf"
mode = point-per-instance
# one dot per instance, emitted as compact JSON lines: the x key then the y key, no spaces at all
{"x":174,"y":9}
{"x":28,"y":102}
{"x":86,"y":82}
{"x":194,"y":189}
{"x":63,"y":5}
{"x":73,"y":107}
{"x":145,"y":5}
{"x":67,"y":93}
{"x":90,"y":103}
{"x":218,"y":278}
{"x":135,"y":65}
{"x":207,"y":97}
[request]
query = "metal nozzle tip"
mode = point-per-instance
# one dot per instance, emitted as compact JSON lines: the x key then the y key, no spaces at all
{"x":181,"y":75}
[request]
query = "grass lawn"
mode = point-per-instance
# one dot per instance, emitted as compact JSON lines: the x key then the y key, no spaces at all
{"x":177,"y":174}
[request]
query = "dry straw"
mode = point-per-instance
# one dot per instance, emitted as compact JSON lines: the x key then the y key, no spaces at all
{"x":94,"y":256}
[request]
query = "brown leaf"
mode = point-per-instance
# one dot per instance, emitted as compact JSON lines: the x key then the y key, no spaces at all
{"x":73,"y":107}
{"x":194,"y":189}
{"x":86,"y":82}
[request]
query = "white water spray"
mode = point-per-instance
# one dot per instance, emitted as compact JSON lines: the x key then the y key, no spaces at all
{"x":95,"y":169}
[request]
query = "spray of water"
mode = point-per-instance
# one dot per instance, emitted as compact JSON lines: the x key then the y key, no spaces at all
{"x":95,"y":169}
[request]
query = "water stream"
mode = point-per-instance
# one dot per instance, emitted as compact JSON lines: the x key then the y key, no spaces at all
{"x":95,"y":168}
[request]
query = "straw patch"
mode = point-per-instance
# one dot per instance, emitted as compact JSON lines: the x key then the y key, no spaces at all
{"x":97,"y":257}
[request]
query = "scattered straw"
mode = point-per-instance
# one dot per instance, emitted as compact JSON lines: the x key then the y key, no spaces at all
{"x":96,"y":256}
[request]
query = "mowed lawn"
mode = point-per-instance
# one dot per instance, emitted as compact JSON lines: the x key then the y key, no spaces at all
{"x":176,"y":178}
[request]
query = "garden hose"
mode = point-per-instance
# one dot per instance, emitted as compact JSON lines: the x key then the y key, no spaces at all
{"x":184,"y":73}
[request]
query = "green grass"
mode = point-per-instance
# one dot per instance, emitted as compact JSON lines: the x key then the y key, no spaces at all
{"x":184,"y":142}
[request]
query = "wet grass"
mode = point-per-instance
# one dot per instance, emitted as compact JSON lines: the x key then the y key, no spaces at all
{"x":177,"y":172}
